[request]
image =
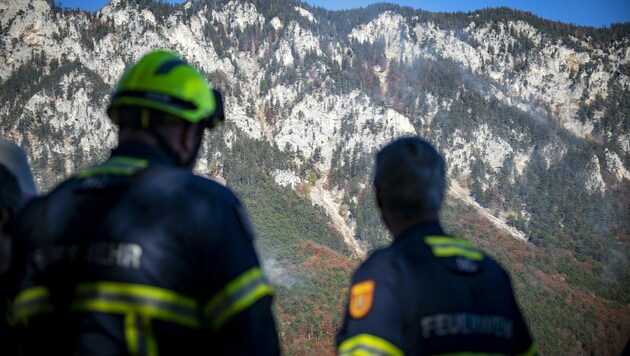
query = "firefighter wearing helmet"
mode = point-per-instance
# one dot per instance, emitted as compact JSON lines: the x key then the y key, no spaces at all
{"x":137,"y":255}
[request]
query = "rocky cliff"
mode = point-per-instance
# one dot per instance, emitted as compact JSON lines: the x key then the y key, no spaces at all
{"x":531,"y":115}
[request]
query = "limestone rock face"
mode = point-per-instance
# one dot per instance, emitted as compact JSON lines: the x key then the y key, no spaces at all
{"x":503,"y":99}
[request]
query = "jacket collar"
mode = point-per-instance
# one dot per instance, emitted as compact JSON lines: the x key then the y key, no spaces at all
{"x":139,"y":150}
{"x":429,"y":228}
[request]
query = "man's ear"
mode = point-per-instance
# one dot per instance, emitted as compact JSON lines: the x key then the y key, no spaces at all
{"x":190,"y":138}
{"x":187,"y":140}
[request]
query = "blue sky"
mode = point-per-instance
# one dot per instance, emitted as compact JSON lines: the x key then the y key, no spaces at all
{"x":581,"y":12}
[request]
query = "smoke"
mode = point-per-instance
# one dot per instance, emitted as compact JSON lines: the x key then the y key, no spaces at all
{"x":281,"y":274}
{"x":616,"y":262}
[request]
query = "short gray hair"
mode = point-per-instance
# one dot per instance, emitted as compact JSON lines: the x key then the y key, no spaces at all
{"x":410,"y":177}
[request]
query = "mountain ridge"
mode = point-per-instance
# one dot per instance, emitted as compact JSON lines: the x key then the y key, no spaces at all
{"x":531,"y":115}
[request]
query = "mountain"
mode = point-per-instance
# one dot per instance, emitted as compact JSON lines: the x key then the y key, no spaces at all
{"x":532,"y":117}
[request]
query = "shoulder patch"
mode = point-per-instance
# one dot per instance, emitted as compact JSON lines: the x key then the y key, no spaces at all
{"x":361,"y":297}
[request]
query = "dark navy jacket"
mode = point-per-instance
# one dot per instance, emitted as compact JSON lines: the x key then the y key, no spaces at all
{"x":137,"y":256}
{"x":431,"y":294}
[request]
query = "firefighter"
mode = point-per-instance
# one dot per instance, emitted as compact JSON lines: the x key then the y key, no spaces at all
{"x":16,"y":189}
{"x":427,"y":293}
{"x":137,"y":255}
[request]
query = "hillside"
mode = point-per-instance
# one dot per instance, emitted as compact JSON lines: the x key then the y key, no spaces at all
{"x":532,"y":117}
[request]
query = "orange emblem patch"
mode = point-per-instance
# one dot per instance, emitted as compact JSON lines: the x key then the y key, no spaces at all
{"x":361,"y":296}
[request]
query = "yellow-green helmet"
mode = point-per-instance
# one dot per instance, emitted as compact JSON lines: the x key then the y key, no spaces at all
{"x":163,"y":81}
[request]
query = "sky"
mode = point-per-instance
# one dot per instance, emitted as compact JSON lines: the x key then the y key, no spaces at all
{"x":598,"y":13}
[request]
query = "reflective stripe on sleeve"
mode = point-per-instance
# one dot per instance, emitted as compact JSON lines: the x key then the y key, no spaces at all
{"x":368,"y":345}
{"x":533,"y":350}
{"x":31,"y":302}
{"x":236,"y":296}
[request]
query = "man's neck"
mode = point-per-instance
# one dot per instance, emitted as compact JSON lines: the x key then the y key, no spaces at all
{"x":398,"y":226}
{"x":136,"y":136}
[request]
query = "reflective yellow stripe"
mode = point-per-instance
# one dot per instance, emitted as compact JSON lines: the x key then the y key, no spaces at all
{"x":119,"y":171}
{"x":116,"y":307}
{"x":450,"y":251}
{"x":445,"y":240}
{"x":31,"y":294}
{"x":131,"y":333}
{"x":366,"y":344}
{"x":443,"y":246}
{"x":131,"y":300}
{"x":22,"y":314}
{"x":117,"y":165}
{"x":533,"y":350}
{"x":135,"y":335}
{"x":150,"y":341}
{"x":148,"y":301}
{"x":114,"y":297}
{"x":138,"y":290}
{"x":30,"y":302}
{"x":237,"y":296}
{"x":131,"y":161}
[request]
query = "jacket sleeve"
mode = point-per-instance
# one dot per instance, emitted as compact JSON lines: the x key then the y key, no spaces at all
{"x":236,"y":302}
{"x":373,"y":320}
